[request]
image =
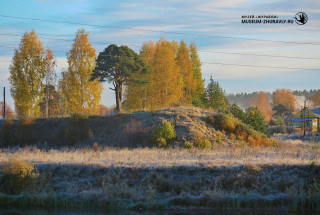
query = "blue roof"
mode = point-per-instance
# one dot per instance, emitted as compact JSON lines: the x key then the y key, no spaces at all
{"x":316,"y":110}
{"x":301,"y":119}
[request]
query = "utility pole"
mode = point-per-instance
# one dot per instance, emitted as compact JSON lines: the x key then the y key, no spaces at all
{"x":304,"y":123}
{"x":4,"y":102}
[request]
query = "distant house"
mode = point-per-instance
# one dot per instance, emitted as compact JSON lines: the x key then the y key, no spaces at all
{"x":308,"y":118}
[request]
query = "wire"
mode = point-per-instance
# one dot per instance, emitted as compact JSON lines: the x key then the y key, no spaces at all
{"x":232,"y":64}
{"x":54,"y":38}
{"x":158,"y":31}
{"x":262,"y":55}
{"x":218,"y":52}
{"x":216,"y":63}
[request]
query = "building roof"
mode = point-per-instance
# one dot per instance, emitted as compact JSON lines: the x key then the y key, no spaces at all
{"x":302,"y":119}
{"x":316,"y":110}
{"x":311,"y":113}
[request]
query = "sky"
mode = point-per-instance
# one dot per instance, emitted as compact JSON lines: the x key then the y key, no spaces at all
{"x":215,"y":26}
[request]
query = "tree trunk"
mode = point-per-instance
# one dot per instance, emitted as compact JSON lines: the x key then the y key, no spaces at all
{"x":118,"y":93}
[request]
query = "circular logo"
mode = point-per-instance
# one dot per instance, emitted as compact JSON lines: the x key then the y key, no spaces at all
{"x":301,"y":18}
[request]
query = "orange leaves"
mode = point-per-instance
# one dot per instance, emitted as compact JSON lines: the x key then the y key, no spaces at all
{"x":263,"y":104}
{"x":283,"y":97}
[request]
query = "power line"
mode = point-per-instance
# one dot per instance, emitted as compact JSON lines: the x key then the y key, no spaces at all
{"x":262,"y":55}
{"x":215,"y":63}
{"x":232,"y":64}
{"x":69,"y":40}
{"x":248,"y":65}
{"x":218,"y":52}
{"x":158,"y":31}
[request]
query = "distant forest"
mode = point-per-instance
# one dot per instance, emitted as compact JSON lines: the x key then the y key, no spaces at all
{"x":243,"y":99}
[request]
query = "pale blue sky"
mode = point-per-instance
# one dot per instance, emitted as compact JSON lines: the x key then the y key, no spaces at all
{"x":216,"y":17}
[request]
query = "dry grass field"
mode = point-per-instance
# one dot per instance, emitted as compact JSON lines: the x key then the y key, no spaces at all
{"x":228,"y":177}
{"x":116,"y":165}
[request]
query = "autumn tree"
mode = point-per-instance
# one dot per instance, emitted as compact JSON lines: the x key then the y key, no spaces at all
{"x":263,"y":104}
{"x":283,"y":97}
{"x":51,"y":104}
{"x":189,"y":84}
{"x":316,"y":99}
{"x":199,"y":96}
{"x":102,"y":110}
{"x":137,"y":95}
{"x":215,"y":95}
{"x":9,"y":112}
{"x":50,"y":79}
{"x":174,"y":78}
{"x":119,"y":65}
{"x":27,"y":71}
{"x":165,"y":80}
{"x":80,"y":94}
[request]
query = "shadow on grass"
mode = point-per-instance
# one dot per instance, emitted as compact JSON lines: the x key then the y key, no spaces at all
{"x":287,"y":187}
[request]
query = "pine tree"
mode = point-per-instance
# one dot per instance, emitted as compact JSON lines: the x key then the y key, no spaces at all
{"x":237,"y":112}
{"x":119,"y":66}
{"x":80,"y":94}
{"x":215,"y":95}
{"x":27,"y":71}
{"x":255,"y":118}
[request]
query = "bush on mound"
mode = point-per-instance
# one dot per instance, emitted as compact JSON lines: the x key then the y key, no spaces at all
{"x":234,"y":127}
{"x":163,"y":134}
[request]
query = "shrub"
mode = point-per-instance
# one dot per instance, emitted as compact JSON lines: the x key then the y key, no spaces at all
{"x":219,"y":137}
{"x":18,"y":176}
{"x":161,"y":142}
{"x":187,"y":145}
{"x":224,"y":122}
{"x":232,"y":136}
{"x":162,"y":132}
{"x":96,"y":147}
{"x":202,"y":143}
{"x":77,"y":128}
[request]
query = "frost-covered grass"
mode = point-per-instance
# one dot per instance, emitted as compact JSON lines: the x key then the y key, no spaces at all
{"x":238,"y":176}
{"x":287,"y":153}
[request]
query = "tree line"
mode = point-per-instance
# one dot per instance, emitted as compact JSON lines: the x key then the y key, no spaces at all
{"x":34,"y":85}
{"x":162,"y":75}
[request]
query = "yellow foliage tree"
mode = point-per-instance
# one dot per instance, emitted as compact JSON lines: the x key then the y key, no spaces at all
{"x":165,"y":78}
{"x":189,"y":84}
{"x":198,"y":98}
{"x":80,"y":95}
{"x":175,"y":77}
{"x":27,"y":71}
{"x":139,"y":96}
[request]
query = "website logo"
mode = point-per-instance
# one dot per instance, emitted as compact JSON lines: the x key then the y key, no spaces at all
{"x":301,"y":18}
